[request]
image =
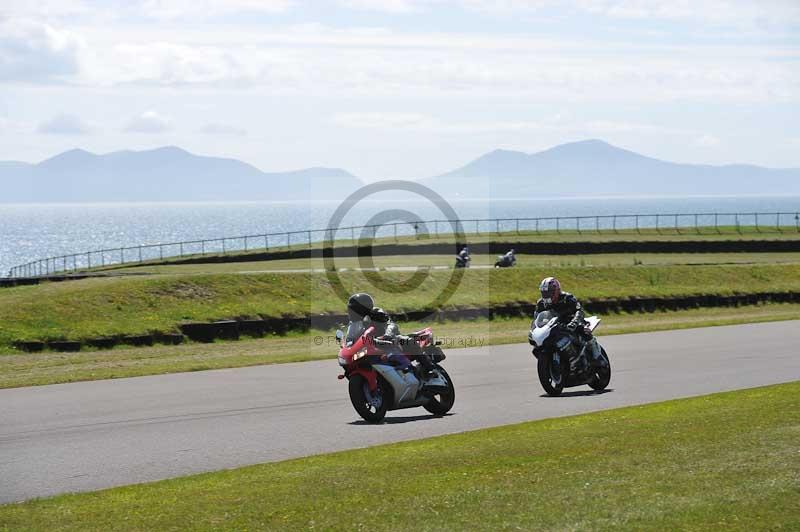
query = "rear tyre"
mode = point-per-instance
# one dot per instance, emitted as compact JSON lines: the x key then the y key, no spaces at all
{"x":550,"y":375}
{"x":371,"y":406}
{"x":441,"y":403}
{"x":602,"y":376}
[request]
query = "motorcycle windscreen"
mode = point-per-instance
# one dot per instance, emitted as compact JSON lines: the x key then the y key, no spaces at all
{"x":354,"y":331}
{"x":542,"y":318}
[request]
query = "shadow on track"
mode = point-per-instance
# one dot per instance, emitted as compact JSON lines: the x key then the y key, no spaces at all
{"x":578,"y":393}
{"x":397,"y":420}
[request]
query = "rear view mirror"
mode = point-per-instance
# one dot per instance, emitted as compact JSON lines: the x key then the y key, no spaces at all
{"x":339,"y":336}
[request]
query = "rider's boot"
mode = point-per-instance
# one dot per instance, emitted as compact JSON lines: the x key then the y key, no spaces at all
{"x":595,"y":354}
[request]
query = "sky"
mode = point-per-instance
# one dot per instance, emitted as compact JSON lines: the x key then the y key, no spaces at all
{"x":401,"y":88}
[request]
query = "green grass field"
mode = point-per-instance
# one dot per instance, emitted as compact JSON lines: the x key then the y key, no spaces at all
{"x":29,"y":369}
{"x":727,"y":461}
{"x":141,"y":304}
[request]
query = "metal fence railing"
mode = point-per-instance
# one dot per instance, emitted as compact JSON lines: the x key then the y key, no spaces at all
{"x":760,"y":222}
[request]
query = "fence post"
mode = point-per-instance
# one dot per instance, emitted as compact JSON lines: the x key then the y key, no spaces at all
{"x":89,"y":259}
{"x":778,"y":222}
{"x":266,"y":242}
{"x":161,"y":252}
{"x":676,"y":225}
{"x":658,"y":229}
{"x":517,"y":220}
{"x":477,"y":227}
{"x":537,"y":226}
{"x":288,"y":240}
{"x":181,"y":248}
{"x":497,"y":226}
{"x":716,"y":222}
{"x":597,"y":224}
{"x":736,"y":224}
{"x":436,"y":228}
{"x":140,"y":253}
{"x":202,"y":247}
{"x":637,"y":224}
{"x":696,"y":225}
{"x":309,"y":239}
{"x":797,"y":222}
{"x":224,"y":250}
{"x":615,"y":224}
{"x":558,"y":225}
{"x":395,"y":233}
{"x":758,"y":229}
{"x":122,"y":255}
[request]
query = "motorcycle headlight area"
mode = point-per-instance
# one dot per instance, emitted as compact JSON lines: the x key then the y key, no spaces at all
{"x":360,"y":354}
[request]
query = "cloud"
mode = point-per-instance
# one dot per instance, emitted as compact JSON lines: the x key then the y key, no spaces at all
{"x":193,"y":9}
{"x":383,"y":120}
{"x":223,"y":130}
{"x":386,"y":6}
{"x":149,"y":122}
{"x":64,"y":124}
{"x":35,"y":52}
{"x":707,"y":141}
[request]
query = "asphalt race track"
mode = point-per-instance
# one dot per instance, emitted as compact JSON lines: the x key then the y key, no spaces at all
{"x":92,"y":435}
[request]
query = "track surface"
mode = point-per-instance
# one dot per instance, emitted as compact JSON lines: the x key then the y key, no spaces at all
{"x":91,"y":435}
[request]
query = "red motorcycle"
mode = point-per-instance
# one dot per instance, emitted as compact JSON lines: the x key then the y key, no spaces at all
{"x":377,"y":385}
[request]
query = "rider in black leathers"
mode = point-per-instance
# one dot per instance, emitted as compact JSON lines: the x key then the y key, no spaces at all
{"x":363,"y":314}
{"x":570,"y":313}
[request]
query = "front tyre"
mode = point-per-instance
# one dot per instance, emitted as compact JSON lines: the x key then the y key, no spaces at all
{"x":549,"y":369}
{"x":441,"y":403}
{"x":371,"y":406}
{"x":602,"y":376}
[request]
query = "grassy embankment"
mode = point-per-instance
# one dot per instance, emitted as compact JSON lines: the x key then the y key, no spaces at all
{"x":726,"y":461}
{"x":104,"y":307}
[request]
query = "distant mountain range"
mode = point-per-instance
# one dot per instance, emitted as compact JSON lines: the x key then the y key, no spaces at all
{"x":594,"y":167}
{"x":163,"y":174}
{"x":586,"y":168}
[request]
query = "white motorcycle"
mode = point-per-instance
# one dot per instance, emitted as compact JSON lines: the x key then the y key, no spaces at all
{"x":562,"y":358}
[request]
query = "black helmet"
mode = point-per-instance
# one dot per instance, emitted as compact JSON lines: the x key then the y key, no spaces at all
{"x":359,"y":305}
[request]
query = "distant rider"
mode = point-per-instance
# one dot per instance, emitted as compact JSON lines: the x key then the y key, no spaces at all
{"x":363,"y":314}
{"x":462,"y":259}
{"x":570,"y":312}
{"x":510,"y":257}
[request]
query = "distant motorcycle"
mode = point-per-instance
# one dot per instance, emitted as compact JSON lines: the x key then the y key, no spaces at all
{"x":560,"y":361}
{"x":463,"y":259}
{"x":505,"y":261}
{"x":376,"y":386}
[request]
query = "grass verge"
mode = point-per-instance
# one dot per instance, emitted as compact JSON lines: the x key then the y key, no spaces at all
{"x":29,"y":369}
{"x":135,"y":305}
{"x":725,"y":461}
